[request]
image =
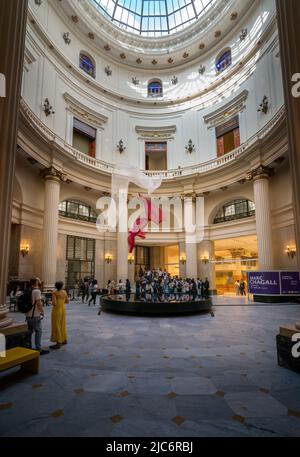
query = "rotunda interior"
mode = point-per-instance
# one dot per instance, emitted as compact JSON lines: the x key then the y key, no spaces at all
{"x":150,"y":148}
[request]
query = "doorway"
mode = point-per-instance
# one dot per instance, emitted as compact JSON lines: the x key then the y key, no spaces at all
{"x":80,"y":260}
{"x":155,"y":257}
{"x":156,"y":156}
{"x":84,"y":138}
{"x":234,"y":258}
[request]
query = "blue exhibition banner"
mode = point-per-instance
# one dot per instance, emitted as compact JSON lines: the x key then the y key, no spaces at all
{"x":264,"y":283}
{"x":290,"y":283}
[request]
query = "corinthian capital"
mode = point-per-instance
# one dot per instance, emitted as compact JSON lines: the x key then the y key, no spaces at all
{"x":53,"y":173}
{"x":260,"y":173}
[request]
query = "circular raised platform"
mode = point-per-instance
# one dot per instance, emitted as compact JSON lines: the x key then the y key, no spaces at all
{"x":129,"y":305}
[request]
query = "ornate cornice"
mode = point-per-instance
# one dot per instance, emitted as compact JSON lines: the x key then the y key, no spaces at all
{"x":29,"y":58}
{"x":157,"y":132}
{"x":227,"y":111}
{"x":88,"y":115}
{"x":260,"y":173}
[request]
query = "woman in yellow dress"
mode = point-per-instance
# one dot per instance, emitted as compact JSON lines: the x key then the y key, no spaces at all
{"x":59,"y":331}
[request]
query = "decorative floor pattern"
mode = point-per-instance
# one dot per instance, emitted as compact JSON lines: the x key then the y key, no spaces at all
{"x":123,"y":376}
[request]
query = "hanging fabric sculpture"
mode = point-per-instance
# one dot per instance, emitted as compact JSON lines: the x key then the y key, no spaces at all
{"x":152,"y":214}
{"x":121,"y":177}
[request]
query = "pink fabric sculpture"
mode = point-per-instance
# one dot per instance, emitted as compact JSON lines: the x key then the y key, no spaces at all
{"x":153,"y":214}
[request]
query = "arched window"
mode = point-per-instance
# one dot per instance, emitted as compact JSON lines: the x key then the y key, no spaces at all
{"x":234,"y":210}
{"x":224,"y":60}
{"x":77,"y":210}
{"x":155,"y":88}
{"x":87,"y":64}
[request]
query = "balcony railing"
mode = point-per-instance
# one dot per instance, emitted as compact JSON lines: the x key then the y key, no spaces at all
{"x":170,"y":174}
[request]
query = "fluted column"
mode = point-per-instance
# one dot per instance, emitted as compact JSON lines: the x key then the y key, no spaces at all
{"x":122,"y":236}
{"x":260,"y":178}
{"x":288,"y":14}
{"x":190,"y":236}
{"x":12,"y":39}
{"x":50,"y":233}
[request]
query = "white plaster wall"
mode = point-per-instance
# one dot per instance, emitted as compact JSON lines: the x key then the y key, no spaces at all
{"x":30,"y":265}
{"x":284,"y":236}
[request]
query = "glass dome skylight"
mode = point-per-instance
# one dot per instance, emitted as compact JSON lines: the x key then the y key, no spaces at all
{"x":153,"y":18}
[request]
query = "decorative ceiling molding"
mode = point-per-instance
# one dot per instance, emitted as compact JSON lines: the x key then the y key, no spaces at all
{"x":87,"y":114}
{"x":108,"y":35}
{"x":230,"y":109}
{"x":243,"y":68}
{"x":28,"y":58}
{"x":156,"y":132}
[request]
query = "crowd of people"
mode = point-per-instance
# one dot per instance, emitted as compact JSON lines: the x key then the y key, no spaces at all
{"x":151,"y":285}
{"x":158,"y":285}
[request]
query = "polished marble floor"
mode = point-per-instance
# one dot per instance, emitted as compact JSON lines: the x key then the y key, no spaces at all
{"x":123,"y":376}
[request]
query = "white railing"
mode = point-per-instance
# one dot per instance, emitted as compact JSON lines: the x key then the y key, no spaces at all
{"x":170,"y":174}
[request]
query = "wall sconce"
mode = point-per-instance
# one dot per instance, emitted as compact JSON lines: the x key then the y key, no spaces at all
{"x":190,"y":147}
{"x":108,"y":70}
{"x":120,"y":146}
{"x":291,"y":251}
{"x":201,"y":69}
{"x":108,"y":258}
{"x":48,"y":108}
{"x":183,"y":260}
{"x":130,"y":259}
{"x":66,"y":37}
{"x":24,"y":250}
{"x":264,"y":106}
{"x":205,"y":260}
{"x":243,"y":34}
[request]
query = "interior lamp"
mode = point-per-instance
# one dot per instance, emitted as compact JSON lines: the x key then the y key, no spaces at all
{"x":291,"y":251}
{"x":24,"y":250}
{"x":183,"y":260}
{"x":108,"y":258}
{"x":130,"y":259}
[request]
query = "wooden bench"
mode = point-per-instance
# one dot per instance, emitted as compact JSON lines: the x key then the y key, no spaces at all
{"x":28,"y":359}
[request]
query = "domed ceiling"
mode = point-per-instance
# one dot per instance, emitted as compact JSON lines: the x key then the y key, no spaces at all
{"x":153,"y":18}
{"x":155,"y":34}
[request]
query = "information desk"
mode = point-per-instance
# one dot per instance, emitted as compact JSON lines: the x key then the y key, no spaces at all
{"x":129,"y":305}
